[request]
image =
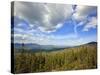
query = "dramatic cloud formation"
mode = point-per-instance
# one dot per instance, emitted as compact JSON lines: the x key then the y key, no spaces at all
{"x":47,"y":17}
{"x":54,"y":24}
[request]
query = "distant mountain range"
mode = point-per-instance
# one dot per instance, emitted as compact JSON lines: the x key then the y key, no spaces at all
{"x":36,"y":47}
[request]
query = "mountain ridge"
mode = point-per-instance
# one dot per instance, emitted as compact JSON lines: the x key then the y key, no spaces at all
{"x":37,"y":47}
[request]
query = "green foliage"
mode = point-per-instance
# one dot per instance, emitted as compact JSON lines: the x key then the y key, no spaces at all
{"x":83,"y":57}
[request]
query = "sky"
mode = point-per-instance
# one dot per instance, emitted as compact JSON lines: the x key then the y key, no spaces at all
{"x":54,"y":24}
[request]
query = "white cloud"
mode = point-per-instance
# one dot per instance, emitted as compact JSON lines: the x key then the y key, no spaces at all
{"x":43,"y":39}
{"x":59,"y":25}
{"x":31,"y":25}
{"x":19,"y":25}
{"x":45,"y":16}
{"x":91,"y":24}
{"x":82,"y":12}
{"x":81,"y":15}
{"x":68,"y":40}
{"x":78,"y":13}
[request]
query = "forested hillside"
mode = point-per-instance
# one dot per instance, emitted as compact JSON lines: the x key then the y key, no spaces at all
{"x":80,"y":57}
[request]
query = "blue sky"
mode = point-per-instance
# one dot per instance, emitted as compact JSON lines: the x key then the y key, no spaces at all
{"x":54,"y":24}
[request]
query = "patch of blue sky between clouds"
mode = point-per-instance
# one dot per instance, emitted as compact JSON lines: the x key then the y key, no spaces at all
{"x":54,"y":24}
